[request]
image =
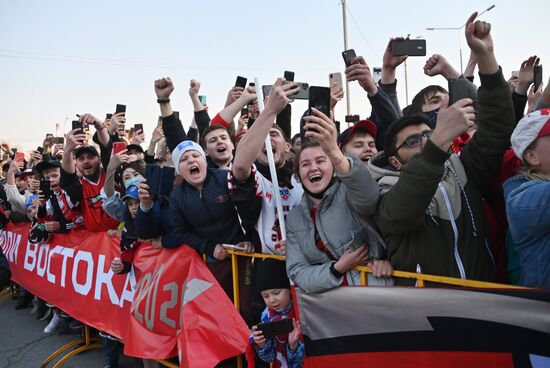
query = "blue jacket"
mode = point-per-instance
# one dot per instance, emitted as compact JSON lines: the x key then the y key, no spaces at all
{"x":202,"y":219}
{"x":528,"y":211}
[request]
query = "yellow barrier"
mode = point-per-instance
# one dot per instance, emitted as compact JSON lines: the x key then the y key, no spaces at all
{"x":421,"y":278}
{"x":79,"y":346}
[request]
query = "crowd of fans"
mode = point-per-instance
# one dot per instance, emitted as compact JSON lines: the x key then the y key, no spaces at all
{"x":460,"y":190}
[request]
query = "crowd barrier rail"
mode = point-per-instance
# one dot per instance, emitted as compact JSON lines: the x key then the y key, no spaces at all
{"x":364,"y":270}
{"x":86,"y":342}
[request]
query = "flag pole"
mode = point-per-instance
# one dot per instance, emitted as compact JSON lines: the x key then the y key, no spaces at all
{"x":271,"y":160}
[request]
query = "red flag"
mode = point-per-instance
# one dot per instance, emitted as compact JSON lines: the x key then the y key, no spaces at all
{"x":213,"y":330}
{"x":180,"y":309}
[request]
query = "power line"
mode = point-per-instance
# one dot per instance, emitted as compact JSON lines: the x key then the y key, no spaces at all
{"x":362,"y":34}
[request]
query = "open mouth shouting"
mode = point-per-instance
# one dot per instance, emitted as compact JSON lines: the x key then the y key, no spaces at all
{"x":194,"y":169}
{"x":315,"y":178}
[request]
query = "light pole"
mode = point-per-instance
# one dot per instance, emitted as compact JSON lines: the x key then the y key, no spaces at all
{"x":345,"y":23}
{"x":458,"y":29}
{"x":406,"y":77}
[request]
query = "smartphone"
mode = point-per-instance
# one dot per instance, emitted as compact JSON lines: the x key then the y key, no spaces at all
{"x":319,"y":98}
{"x":45,"y":188}
{"x":352,"y":118}
{"x":244,"y":110}
{"x":138,"y":127}
{"x":266,"y":90}
{"x":118,"y":147}
{"x":303,"y":92}
{"x":58,"y":140}
{"x":153,"y":176}
{"x":19,"y":156}
{"x":202,"y":99}
{"x":120,"y":108}
{"x":251,"y":84}
{"x":289,"y":76}
{"x":167,"y":175}
{"x":108,"y":116}
{"x":40,"y":149}
{"x":240,"y":82}
{"x":276,"y":328}
{"x":335,"y":81}
{"x":78,"y":126}
{"x":376,"y":74}
{"x":408,"y":48}
{"x":348,"y":56}
{"x":459,"y":89}
{"x":537,"y":76}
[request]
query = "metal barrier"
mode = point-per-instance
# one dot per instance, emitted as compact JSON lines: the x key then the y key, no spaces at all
{"x":88,"y":343}
{"x":79,"y":346}
{"x":421,"y":278}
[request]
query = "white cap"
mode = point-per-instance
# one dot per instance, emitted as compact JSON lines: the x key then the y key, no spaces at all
{"x":532,"y":126}
{"x":181,"y":149}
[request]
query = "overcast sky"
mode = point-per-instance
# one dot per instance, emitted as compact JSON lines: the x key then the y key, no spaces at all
{"x":59,"y":58}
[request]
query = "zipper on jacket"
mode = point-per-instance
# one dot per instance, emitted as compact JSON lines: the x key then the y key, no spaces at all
{"x":458,"y":260}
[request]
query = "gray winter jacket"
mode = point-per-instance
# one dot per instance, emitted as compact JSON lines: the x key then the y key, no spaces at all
{"x":343,"y":222}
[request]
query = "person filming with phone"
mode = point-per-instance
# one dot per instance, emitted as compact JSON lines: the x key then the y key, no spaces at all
{"x":329,"y":232}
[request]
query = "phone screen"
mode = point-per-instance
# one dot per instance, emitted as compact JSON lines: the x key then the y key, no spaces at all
{"x":202,"y":99}
{"x":276,"y":328}
{"x":319,"y":98}
{"x":45,"y":188}
{"x":138,"y":127}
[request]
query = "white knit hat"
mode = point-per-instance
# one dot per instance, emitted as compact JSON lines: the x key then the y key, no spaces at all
{"x":181,"y":149}
{"x":532,"y":126}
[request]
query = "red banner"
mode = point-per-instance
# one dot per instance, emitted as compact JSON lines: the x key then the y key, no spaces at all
{"x":179,"y":308}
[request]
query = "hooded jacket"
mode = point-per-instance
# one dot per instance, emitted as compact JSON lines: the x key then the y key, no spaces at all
{"x":342,"y":223}
{"x":431,"y":212}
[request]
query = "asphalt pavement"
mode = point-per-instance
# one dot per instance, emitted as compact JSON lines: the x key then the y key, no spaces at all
{"x":23,"y":343}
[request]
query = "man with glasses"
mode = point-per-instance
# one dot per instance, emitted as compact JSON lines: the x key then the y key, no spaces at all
{"x":431,"y":209}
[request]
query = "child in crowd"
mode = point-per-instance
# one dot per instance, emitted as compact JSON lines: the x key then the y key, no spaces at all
{"x":285,"y":350}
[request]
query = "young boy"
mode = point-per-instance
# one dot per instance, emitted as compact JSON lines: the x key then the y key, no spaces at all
{"x":286,"y":350}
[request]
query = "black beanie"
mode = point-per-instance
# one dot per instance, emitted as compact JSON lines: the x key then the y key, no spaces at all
{"x":270,"y":274}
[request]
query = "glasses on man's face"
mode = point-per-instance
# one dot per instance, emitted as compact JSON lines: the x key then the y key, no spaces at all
{"x":414,"y":140}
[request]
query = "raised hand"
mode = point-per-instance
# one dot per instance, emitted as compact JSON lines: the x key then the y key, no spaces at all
{"x":278,"y":96}
{"x":452,"y":121}
{"x":117,"y":123}
{"x":164,"y":88}
{"x":89,"y":119}
{"x":73,"y":141}
{"x":526,"y":74}
{"x":438,"y":65}
{"x":390,"y":61}
{"x":359,"y":71}
{"x":478,"y":36}
{"x":194,"y":87}
{"x":233,"y":95}
{"x":320,"y":128}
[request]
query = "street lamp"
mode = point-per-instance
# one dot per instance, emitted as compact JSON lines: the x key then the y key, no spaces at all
{"x":458,"y":29}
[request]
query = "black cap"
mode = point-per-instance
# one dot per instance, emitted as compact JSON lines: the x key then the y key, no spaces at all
{"x":83,"y":149}
{"x":44,"y":165}
{"x":135,"y":147}
{"x":270,"y":274}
